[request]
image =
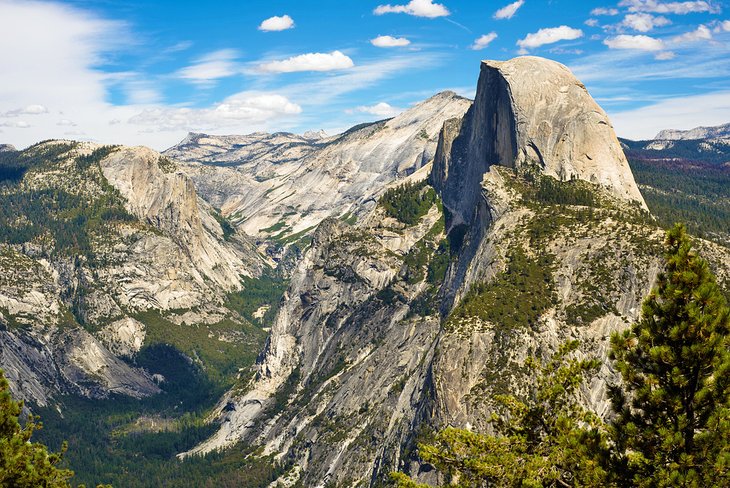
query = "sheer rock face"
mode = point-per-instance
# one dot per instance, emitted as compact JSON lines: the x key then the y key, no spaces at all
{"x":530,"y":112}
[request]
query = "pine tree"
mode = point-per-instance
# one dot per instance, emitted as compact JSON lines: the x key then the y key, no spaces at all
{"x":25,"y":464}
{"x":672,"y":426}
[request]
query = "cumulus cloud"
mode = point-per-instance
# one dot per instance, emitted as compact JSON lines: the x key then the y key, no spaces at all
{"x":389,"y":41}
{"x":335,"y":60}
{"x":275,"y":23}
{"x":723,"y":26}
{"x":591,"y":22}
{"x":418,"y":8}
{"x":34,"y":109}
{"x":604,"y":11}
{"x":381,"y":109}
{"x":484,"y":41}
{"x":17,"y":124}
{"x":644,"y":22}
{"x":244,"y":107}
{"x":213,"y":66}
{"x":548,"y":36}
{"x":636,"y":43}
{"x":678,"y":8}
{"x":702,"y":33}
{"x":509,"y":11}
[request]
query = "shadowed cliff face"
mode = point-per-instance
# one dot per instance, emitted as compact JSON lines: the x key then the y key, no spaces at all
{"x":467,"y":148}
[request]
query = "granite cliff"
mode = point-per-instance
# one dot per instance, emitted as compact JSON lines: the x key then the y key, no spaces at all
{"x":535,"y":232}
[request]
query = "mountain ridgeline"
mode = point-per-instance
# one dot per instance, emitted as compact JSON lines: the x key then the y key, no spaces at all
{"x":284,"y":310}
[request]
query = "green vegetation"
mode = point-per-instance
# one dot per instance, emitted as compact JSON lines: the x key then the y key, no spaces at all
{"x":696,"y":193}
{"x":517,"y":297}
{"x":14,"y":164}
{"x":70,"y":219}
{"x":226,"y":226}
{"x":265,"y":291}
{"x":545,"y":439}
{"x":409,"y":202}
{"x":87,"y":162}
{"x":110,"y":442}
{"x":25,"y":464}
{"x":219,"y":349}
{"x":596,"y":289}
{"x":274,"y":228}
{"x":673,"y":422}
{"x":349,"y":218}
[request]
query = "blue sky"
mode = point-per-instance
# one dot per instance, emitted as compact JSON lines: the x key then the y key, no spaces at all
{"x":144,"y":72}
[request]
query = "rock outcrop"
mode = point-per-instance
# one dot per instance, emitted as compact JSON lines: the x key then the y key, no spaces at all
{"x":716,"y":132}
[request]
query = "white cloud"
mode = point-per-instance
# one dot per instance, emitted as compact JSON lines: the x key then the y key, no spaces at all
{"x":213,"y":66}
{"x":678,"y":8}
{"x":62,"y":45}
{"x":604,"y":11}
{"x":335,"y":60}
{"x":141,"y":92}
{"x":636,"y":43}
{"x":34,"y":109}
{"x":509,"y":11}
{"x":643,"y":22}
{"x":419,"y":8}
{"x":702,"y":33}
{"x":548,"y":36}
{"x":685,"y":112}
{"x":18,"y":124}
{"x":723,"y":26}
{"x":483,"y":41}
{"x":276,"y":23}
{"x":665,"y":56}
{"x":244,"y":107}
{"x":389,"y":41}
{"x":381,"y":109}
{"x":591,"y":22}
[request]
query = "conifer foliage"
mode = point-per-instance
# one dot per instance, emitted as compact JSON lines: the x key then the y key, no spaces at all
{"x":25,"y":464}
{"x":673,"y":409}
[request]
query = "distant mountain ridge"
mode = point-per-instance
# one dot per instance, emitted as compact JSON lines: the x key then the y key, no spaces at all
{"x":716,"y":132}
{"x":281,"y":186}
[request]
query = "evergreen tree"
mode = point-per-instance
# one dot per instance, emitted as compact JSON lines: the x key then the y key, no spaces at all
{"x":25,"y":464}
{"x":672,"y":424}
{"x":548,"y":439}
